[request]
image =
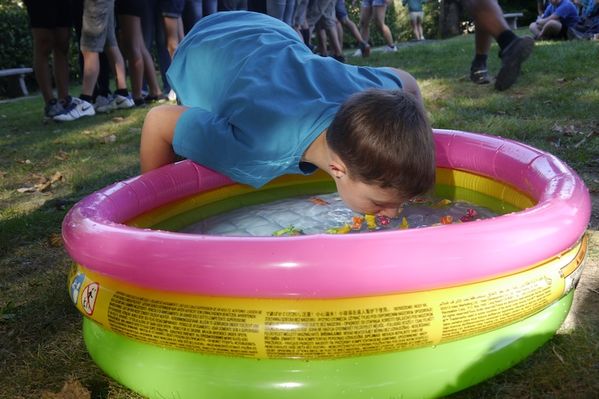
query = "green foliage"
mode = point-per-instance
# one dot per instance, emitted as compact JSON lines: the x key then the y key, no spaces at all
{"x":16,"y":46}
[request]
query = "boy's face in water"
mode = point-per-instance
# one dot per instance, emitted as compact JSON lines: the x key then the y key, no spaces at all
{"x":368,"y":198}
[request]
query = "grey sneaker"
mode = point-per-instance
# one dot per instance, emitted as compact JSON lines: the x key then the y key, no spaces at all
{"x":76,"y":109}
{"x":122,"y":102}
{"x":512,"y":58}
{"x":104,"y":104}
{"x":52,"y":109}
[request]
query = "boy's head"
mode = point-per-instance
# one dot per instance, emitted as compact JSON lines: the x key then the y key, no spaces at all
{"x":384,"y":142}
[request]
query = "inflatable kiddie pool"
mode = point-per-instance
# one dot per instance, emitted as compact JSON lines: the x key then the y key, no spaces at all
{"x":406,"y":313}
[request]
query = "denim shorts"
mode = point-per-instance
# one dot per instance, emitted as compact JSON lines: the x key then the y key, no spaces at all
{"x":340,"y":10}
{"x":97,"y":31}
{"x":373,"y":3}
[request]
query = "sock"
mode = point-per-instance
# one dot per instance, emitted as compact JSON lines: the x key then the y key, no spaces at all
{"x":122,"y":92}
{"x":305,"y":35}
{"x":479,"y":62}
{"x":87,"y":98}
{"x":505,"y":38}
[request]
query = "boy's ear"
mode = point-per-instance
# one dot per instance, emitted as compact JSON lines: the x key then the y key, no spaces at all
{"x":337,"y":169}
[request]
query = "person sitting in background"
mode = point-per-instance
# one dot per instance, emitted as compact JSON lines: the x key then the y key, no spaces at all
{"x":559,"y":15}
{"x":51,"y":23}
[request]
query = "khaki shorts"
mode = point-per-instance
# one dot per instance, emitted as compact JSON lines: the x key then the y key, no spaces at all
{"x":321,"y":12}
{"x":97,"y":31}
{"x":416,"y":15}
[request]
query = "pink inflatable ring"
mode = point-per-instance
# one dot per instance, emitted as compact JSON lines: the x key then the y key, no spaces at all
{"x":97,"y":236}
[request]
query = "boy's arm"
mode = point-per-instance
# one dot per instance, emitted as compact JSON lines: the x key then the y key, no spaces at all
{"x":157,"y":133}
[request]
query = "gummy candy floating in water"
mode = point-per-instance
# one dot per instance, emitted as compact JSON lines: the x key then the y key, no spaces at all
{"x":404,"y":224}
{"x":370,"y":221}
{"x":442,"y":203}
{"x":346,"y":228}
{"x":318,"y":201}
{"x":470,"y":215}
{"x":447,"y":219}
{"x":383,"y":220}
{"x":357,"y":222}
{"x":288,"y":231}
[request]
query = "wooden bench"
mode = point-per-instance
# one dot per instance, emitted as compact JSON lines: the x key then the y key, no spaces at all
{"x":19,"y":75}
{"x":512,"y":19}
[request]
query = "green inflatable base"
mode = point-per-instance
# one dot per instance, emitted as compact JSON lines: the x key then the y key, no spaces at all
{"x":418,"y":373}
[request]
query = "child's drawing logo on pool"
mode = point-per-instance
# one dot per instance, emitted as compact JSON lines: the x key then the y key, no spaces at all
{"x":76,"y":286}
{"x":89,"y":296}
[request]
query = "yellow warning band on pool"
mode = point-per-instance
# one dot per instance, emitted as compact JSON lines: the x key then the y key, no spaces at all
{"x":321,"y":328}
{"x":444,"y":176}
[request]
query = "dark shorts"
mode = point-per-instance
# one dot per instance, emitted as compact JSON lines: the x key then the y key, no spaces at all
{"x":129,"y":7}
{"x":49,"y":14}
{"x":172,"y":8}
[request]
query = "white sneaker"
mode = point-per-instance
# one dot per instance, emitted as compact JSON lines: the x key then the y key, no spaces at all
{"x":122,"y":102}
{"x":357,"y":53}
{"x":390,"y":49}
{"x":75,"y":110}
{"x":104,"y":104}
{"x":172,"y":96}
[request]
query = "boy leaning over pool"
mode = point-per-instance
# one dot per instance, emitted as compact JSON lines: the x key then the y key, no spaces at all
{"x":257,"y":104}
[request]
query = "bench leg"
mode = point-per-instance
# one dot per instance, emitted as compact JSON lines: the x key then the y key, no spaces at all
{"x":23,"y":85}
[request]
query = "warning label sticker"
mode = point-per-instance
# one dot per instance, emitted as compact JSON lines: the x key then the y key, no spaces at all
{"x":321,"y":328}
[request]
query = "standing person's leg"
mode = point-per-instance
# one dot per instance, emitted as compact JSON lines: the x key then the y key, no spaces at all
{"x":419,"y":23}
{"x":43,"y":43}
{"x":50,"y":23}
{"x":289,"y":11}
{"x":344,"y":21}
{"x":62,"y":37}
{"x":131,"y":39}
{"x":380,"y":10}
{"x":276,"y":8}
{"x":365,"y":17}
{"x":514,"y":50}
{"x":93,"y":36}
{"x":330,"y":23}
{"x":209,"y":7}
{"x":192,"y":13}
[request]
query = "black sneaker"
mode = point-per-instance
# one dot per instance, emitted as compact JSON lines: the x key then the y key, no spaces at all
{"x":512,"y":58}
{"x":364,"y":49}
{"x":339,"y":58}
{"x":480,"y":76}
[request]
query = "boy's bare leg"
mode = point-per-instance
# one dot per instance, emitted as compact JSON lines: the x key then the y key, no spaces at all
{"x":156,"y":147}
{"x":409,"y":84}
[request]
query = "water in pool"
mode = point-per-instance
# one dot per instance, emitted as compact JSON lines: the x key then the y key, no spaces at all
{"x":328,"y":214}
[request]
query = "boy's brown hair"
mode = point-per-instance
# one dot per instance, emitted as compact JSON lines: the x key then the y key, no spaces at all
{"x":384,"y":138}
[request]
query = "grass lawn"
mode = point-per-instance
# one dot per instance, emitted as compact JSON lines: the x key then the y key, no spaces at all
{"x":46,"y":168}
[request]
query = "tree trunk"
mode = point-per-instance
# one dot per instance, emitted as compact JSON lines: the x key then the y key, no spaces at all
{"x":449,"y":18}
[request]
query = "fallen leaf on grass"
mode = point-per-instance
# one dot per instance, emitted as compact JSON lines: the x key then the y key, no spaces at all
{"x":109,"y":139}
{"x":561,"y":80}
{"x":55,"y":240}
{"x":72,"y":389}
{"x":57,"y":176}
{"x":24,"y":161}
{"x":118,"y":119}
{"x":61,"y":156}
{"x":27,"y":190}
{"x":568,"y":130}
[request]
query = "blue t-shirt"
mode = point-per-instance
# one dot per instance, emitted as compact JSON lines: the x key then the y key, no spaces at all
{"x":566,"y":11}
{"x":258,"y":96}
